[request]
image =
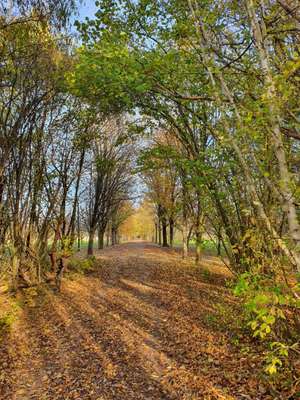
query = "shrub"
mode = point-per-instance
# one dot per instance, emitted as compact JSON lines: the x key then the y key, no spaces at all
{"x":82,"y":266}
{"x":272,"y":312}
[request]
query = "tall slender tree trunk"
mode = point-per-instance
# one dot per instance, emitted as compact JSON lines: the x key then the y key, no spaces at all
{"x":156,"y":234}
{"x":75,"y":210}
{"x":159,"y":232}
{"x":184,"y":240}
{"x":78,"y":229}
{"x":199,"y":228}
{"x":190,"y":231}
{"x":185,"y":230}
{"x":219,"y":243}
{"x":171,"y":230}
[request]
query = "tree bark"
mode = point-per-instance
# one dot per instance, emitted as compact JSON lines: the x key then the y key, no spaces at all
{"x":199,"y":234}
{"x":164,"y":232}
{"x":15,"y":272}
{"x":184,"y":240}
{"x":78,"y":229}
{"x":75,"y":209}
{"x":219,"y":239}
{"x":113,"y":236}
{"x":171,"y":230}
{"x":100,"y":239}
{"x":59,"y":273}
{"x":90,"y":250}
{"x":159,"y":233}
{"x":198,"y":250}
{"x":156,"y":234}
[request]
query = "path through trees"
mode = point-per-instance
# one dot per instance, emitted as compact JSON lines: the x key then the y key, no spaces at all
{"x":143,"y":326}
{"x":175,"y":122}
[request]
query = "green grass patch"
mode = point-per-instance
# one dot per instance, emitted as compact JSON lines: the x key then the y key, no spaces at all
{"x":208,"y":246}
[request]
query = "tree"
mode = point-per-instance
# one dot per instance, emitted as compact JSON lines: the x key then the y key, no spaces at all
{"x":110,"y":178}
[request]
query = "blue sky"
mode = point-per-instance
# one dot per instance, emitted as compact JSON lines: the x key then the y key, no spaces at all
{"x":86,"y":9}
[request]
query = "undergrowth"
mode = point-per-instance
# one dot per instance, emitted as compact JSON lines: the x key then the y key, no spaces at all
{"x":82,"y":266}
{"x":272,"y":312}
{"x":10,"y":315}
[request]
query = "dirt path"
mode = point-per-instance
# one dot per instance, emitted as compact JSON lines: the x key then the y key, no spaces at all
{"x":143,"y":326}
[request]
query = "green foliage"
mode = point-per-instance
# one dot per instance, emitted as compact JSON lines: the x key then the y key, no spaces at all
{"x":274,"y":358}
{"x":82,"y":266}
{"x":6,"y":321}
{"x":9,"y":317}
{"x":66,"y":248}
{"x":266,"y":306}
{"x":108,"y":71}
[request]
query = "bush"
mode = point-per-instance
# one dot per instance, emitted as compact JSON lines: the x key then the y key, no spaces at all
{"x":272,"y":312}
{"x":82,"y":266}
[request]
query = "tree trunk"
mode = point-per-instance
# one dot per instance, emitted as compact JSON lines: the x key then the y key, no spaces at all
{"x":59,"y":274}
{"x":53,"y":252}
{"x":199,"y":228}
{"x":159,"y":233}
{"x":78,"y":230}
{"x":100,"y":239}
{"x":78,"y":243}
{"x":15,"y":272}
{"x":75,"y":210}
{"x":164,"y":232}
{"x":190,"y":231}
{"x":171,"y":229}
{"x":113,"y":237}
{"x":219,"y":246}
{"x":198,"y":245}
{"x":184,"y":241}
{"x":90,"y":250}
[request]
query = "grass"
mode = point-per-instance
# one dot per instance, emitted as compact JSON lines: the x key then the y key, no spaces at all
{"x":208,"y":246}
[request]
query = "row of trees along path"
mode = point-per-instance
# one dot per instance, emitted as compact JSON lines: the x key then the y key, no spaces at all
{"x":194,"y":106}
